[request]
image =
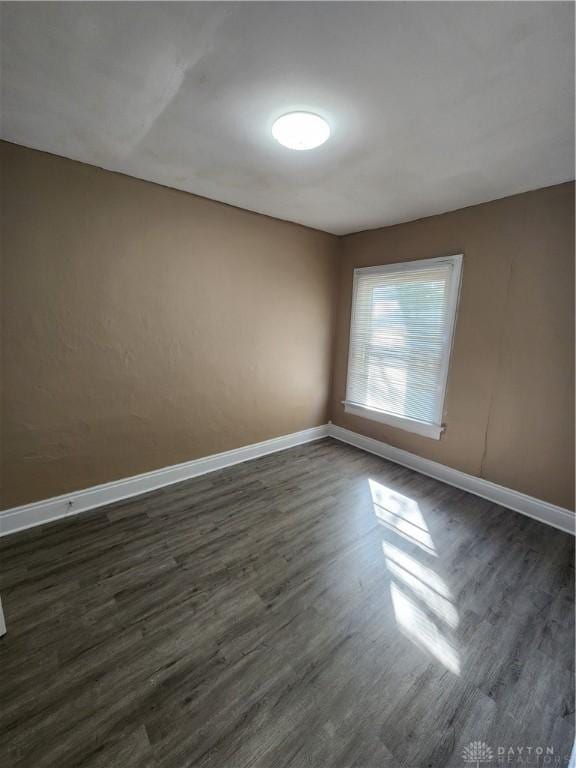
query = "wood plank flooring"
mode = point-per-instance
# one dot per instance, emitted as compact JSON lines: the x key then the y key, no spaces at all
{"x":316,"y":607}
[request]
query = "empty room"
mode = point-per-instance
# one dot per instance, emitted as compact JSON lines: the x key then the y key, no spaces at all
{"x":287,"y":384}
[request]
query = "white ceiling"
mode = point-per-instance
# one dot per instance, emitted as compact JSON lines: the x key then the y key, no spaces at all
{"x":433,"y":106}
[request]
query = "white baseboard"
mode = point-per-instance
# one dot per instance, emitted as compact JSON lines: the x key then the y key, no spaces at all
{"x":558,"y":517}
{"x":30,"y":515}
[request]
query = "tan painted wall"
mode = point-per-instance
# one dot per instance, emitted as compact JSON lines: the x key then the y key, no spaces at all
{"x":509,"y":407}
{"x":145,"y":326}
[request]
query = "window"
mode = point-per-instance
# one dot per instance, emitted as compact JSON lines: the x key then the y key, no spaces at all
{"x":400,"y":339}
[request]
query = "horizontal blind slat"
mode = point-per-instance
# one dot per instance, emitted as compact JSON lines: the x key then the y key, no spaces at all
{"x":399,"y":332}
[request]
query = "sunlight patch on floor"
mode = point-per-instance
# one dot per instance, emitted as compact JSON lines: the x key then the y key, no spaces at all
{"x":422,"y":601}
{"x":401,"y":514}
{"x":422,"y":631}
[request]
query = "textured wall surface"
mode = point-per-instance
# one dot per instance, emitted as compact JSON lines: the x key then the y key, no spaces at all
{"x":509,"y":409}
{"x":145,"y":327}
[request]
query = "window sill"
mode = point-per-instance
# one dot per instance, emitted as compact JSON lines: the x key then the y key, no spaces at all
{"x":433,"y":431}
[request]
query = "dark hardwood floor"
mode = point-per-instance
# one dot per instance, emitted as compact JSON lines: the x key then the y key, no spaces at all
{"x":319,"y":607}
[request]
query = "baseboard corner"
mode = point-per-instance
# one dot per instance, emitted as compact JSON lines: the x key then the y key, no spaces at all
{"x":543,"y":511}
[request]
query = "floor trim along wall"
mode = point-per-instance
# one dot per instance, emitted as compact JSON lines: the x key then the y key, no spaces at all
{"x":37,"y":513}
{"x":558,"y":517}
{"x":31,"y":515}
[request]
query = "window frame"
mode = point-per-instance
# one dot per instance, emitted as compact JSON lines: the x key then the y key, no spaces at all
{"x":433,"y":429}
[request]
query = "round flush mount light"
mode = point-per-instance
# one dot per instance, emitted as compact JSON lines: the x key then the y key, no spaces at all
{"x":301,"y":130}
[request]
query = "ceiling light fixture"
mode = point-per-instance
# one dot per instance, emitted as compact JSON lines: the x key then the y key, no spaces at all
{"x":301,"y":130}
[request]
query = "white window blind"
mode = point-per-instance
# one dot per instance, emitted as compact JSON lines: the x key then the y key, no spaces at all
{"x":400,"y":339}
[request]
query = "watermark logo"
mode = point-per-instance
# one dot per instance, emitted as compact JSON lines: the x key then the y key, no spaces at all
{"x":476,"y":753}
{"x":479,"y":754}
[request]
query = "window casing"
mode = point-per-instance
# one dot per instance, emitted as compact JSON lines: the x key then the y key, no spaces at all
{"x":402,"y":325}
